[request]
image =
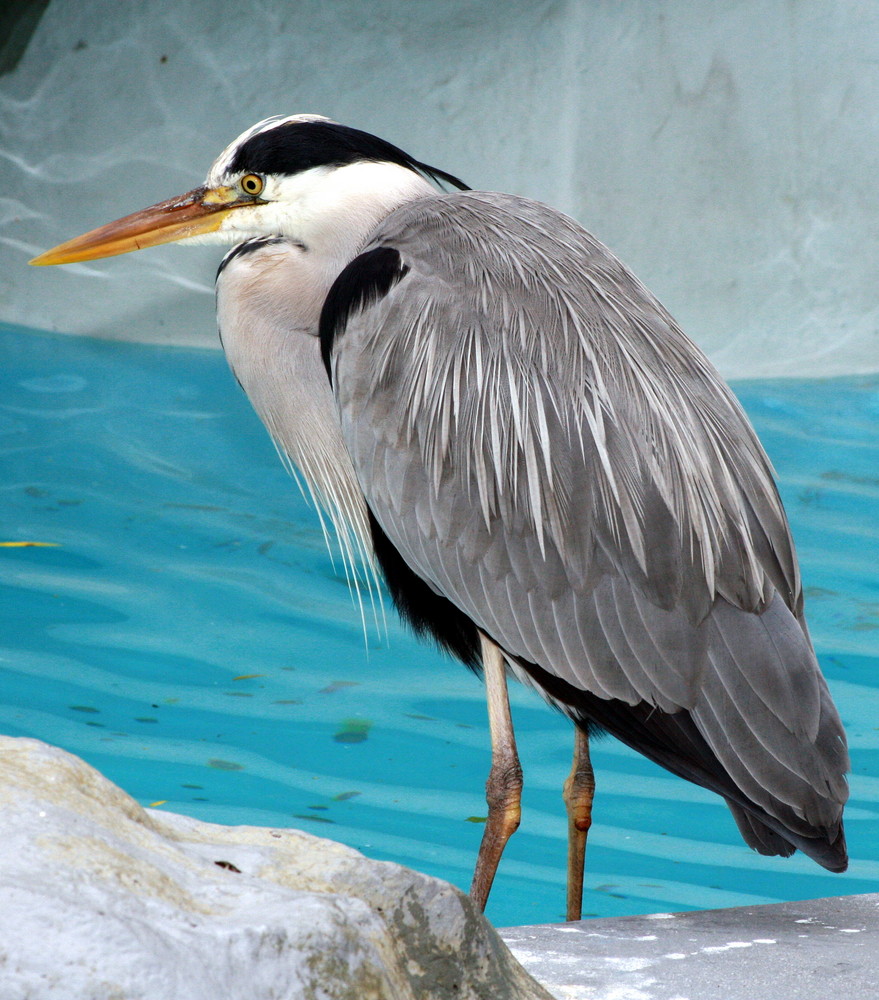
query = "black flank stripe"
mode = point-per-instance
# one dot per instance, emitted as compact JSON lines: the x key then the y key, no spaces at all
{"x":363,"y":282}
{"x":428,"y":613}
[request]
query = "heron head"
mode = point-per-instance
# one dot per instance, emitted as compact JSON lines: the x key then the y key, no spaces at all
{"x":294,"y":177}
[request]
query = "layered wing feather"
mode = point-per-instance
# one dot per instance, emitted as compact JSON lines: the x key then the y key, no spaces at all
{"x":547,"y":450}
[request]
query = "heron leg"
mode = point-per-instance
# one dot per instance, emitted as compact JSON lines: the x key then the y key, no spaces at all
{"x":579,"y":789}
{"x":503,"y":790}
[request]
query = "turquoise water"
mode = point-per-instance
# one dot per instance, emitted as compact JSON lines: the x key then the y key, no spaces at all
{"x":188,"y":635}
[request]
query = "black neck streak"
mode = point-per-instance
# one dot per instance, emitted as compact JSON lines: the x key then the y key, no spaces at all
{"x":366,"y":280}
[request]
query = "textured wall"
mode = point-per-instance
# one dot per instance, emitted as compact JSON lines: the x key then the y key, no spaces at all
{"x":727,"y":151}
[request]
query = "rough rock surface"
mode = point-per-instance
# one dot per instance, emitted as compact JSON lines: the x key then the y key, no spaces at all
{"x":104,"y":900}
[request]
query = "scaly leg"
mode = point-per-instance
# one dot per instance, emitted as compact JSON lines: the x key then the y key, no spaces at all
{"x":579,"y":790}
{"x":503,"y":790}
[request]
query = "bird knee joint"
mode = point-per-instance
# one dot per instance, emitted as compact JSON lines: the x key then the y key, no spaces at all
{"x":577,"y":796}
{"x":504,"y":785}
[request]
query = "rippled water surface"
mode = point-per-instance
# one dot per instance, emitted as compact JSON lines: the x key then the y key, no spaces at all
{"x":187,"y":634}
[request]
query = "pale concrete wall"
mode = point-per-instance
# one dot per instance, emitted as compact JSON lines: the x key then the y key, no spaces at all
{"x":726,"y":151}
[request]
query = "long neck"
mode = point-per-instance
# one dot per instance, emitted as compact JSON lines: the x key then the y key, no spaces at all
{"x":268,"y":307}
{"x":268,"y":303}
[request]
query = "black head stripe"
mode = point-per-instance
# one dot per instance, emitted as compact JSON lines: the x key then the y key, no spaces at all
{"x":440,"y":176}
{"x":364,"y":281}
{"x":296,"y":146}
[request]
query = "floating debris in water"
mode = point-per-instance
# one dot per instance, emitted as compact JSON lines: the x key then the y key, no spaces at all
{"x":353,"y":731}
{"x":338,"y":686}
{"x":608,"y":888}
{"x":29,"y":545}
{"x":224,"y":765}
{"x":835,"y":475}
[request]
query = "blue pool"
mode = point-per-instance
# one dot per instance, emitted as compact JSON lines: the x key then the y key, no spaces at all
{"x":187,"y":634}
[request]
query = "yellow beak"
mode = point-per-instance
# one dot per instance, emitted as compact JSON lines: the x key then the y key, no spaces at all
{"x":198,"y":211}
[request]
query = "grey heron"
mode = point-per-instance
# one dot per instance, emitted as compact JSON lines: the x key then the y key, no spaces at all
{"x":553,"y":479}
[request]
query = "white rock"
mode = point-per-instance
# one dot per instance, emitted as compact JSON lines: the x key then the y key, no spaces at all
{"x":103,"y":900}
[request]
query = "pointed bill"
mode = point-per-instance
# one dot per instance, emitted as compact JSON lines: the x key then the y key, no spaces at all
{"x":198,"y":211}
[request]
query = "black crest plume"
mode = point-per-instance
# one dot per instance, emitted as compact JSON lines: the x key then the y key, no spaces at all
{"x":295,"y":146}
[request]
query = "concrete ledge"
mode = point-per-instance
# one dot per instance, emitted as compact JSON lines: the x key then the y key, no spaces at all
{"x":812,"y":950}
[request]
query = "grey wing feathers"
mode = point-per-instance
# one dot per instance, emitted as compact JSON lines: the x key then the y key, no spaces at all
{"x":546,"y":449}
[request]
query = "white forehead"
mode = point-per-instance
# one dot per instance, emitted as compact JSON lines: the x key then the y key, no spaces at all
{"x":221,"y":165}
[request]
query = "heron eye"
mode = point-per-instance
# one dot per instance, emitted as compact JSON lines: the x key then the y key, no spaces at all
{"x":252,"y":184}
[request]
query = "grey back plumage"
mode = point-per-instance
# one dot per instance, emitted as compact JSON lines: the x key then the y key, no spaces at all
{"x":546,"y":449}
